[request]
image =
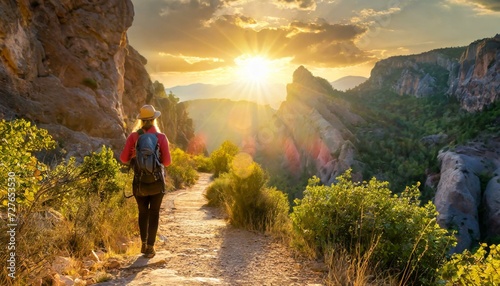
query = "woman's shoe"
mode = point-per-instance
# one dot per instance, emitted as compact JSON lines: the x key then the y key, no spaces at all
{"x":150,"y":251}
{"x":143,"y":248}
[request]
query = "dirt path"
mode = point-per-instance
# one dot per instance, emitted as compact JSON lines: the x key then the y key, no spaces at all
{"x":198,"y":247}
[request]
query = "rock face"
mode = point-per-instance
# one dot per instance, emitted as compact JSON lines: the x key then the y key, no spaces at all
{"x":418,"y":75}
{"x":460,"y":197}
{"x":471,"y":74}
{"x":313,"y":129}
{"x":66,"y":64}
{"x":477,"y":83}
{"x":138,"y":86}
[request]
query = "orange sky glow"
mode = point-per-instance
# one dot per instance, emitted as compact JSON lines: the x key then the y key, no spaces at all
{"x":226,"y":41}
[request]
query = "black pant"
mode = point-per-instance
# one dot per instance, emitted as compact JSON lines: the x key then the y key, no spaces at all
{"x":149,"y":216}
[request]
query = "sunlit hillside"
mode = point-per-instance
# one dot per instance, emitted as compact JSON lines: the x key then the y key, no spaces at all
{"x":266,"y":94}
{"x":217,"y":120}
{"x":348,"y":82}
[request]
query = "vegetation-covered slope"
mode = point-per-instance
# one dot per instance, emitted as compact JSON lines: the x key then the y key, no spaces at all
{"x":217,"y":120}
{"x":403,"y":135}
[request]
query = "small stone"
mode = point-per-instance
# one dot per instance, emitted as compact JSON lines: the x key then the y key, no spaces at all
{"x":319,"y":267}
{"x":61,"y":264}
{"x":66,"y":280}
{"x":113,"y":264}
{"x":88,"y":264}
{"x":80,"y":282}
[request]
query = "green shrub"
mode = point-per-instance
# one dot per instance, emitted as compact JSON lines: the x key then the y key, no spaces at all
{"x":68,"y":209}
{"x":353,"y":215}
{"x":479,"y":268}
{"x":215,"y":191}
{"x":182,"y":170}
{"x":276,"y":209}
{"x":243,"y":202}
{"x":203,"y":164}
{"x":222,"y":158}
{"x":90,"y":82}
{"x":248,"y":202}
{"x":19,"y":141}
{"x":100,"y":169}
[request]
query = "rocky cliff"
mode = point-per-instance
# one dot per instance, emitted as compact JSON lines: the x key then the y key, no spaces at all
{"x":418,"y":75}
{"x":312,"y":129}
{"x":471,"y":74}
{"x":477,"y":82}
{"x":67,"y":66}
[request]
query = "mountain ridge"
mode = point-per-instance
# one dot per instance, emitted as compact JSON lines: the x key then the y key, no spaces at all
{"x":348,"y":82}
{"x":219,"y":119}
{"x":271,"y":93}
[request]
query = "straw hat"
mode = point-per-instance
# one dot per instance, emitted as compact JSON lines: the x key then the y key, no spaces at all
{"x":148,"y":112}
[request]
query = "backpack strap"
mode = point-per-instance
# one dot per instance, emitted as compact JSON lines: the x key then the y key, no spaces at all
{"x":140,"y":131}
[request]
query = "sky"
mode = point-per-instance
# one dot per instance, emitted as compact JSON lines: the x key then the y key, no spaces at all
{"x":259,"y":42}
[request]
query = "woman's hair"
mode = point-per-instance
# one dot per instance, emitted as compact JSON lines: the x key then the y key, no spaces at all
{"x":139,"y":123}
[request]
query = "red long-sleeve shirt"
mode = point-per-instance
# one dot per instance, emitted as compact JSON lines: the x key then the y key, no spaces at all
{"x":129,"y":149}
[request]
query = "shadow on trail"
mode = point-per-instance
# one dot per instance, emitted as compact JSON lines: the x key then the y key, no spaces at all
{"x":240,"y":252}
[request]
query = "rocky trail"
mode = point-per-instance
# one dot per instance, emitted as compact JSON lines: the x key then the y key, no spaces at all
{"x":198,"y":247}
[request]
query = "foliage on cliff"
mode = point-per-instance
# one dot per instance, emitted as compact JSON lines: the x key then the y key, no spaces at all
{"x":393,"y":143}
{"x":174,"y":121}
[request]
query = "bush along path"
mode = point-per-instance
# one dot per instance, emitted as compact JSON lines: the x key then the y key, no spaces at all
{"x":197,"y":247}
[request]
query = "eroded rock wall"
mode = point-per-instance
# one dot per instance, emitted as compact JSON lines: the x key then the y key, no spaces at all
{"x":417,"y":75}
{"x":477,"y":83}
{"x":471,"y":74}
{"x":314,"y":126}
{"x":63,"y":66}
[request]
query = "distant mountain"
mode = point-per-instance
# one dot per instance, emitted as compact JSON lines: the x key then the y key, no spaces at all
{"x":271,"y":94}
{"x":218,"y":120}
{"x":348,"y":82}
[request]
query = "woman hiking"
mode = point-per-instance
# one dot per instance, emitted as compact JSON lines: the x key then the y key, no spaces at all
{"x":148,"y":186}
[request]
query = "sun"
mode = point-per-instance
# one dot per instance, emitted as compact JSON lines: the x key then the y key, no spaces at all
{"x":253,"y":69}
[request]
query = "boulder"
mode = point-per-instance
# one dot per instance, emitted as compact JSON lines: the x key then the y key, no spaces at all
{"x":491,"y":206}
{"x":460,"y":197}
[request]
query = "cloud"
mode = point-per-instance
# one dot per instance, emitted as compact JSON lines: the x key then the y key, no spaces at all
{"x":493,"y":5}
{"x":371,"y":16}
{"x":174,"y":33}
{"x":326,"y":44}
{"x":334,"y":54}
{"x":297,"y":4}
{"x":481,"y":6}
{"x":322,"y":31}
{"x":178,"y":63}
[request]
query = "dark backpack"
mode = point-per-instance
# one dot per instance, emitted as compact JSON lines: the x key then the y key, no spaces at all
{"x":148,"y":168}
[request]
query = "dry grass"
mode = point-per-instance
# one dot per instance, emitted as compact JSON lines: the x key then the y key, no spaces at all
{"x":109,"y":227}
{"x":354,"y":269}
